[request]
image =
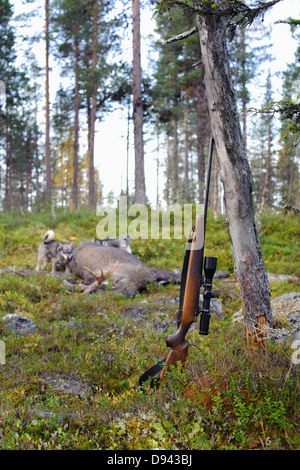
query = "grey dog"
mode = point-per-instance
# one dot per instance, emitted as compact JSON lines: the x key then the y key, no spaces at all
{"x":61,"y":253}
{"x":122,"y":243}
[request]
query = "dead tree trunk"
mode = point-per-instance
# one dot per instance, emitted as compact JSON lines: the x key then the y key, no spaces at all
{"x":235,"y":177}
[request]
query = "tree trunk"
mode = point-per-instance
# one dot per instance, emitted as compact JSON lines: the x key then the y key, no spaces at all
{"x":140,"y":190}
{"x":203,"y":132}
{"x":186,"y":150}
{"x":175,"y":196}
{"x":8,"y":174}
{"x":268,"y":159}
{"x":244,"y":98}
{"x":76,"y":126}
{"x":235,"y":177}
{"x":168,"y":169}
{"x":28,"y":171}
{"x":93,"y":113}
{"x":47,"y":144}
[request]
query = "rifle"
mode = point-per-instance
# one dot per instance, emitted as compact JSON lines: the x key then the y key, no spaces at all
{"x":191,"y":283}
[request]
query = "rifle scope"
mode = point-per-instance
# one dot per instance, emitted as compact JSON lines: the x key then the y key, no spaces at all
{"x":210,"y":266}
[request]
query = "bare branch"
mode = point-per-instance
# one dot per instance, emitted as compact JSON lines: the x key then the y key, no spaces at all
{"x":183,"y":35}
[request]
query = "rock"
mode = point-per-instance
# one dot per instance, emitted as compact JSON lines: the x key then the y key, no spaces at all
{"x":58,"y":417}
{"x":215,"y":307}
{"x":282,"y":278}
{"x":19,"y":325}
{"x":221,"y":275}
{"x":69,"y":385}
{"x":286,"y":315}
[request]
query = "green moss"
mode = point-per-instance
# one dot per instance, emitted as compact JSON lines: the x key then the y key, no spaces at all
{"x":227,"y":397}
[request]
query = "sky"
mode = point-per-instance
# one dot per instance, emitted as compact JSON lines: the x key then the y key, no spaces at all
{"x":111,"y":135}
{"x":112,"y":156}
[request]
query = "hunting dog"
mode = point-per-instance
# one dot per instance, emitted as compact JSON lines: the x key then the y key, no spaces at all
{"x":60,"y":253}
{"x":122,"y":243}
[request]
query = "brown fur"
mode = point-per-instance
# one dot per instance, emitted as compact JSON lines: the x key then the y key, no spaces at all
{"x":129,"y":277}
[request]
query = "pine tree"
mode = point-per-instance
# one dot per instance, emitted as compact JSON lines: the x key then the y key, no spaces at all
{"x":261,"y":155}
{"x":288,"y":165}
{"x":47,"y":107}
{"x":178,"y":97}
{"x":17,"y":129}
{"x":246,"y":54}
{"x":140,"y":188}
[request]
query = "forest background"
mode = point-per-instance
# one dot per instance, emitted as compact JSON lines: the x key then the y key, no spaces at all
{"x":176,"y":127}
{"x":71,"y":384}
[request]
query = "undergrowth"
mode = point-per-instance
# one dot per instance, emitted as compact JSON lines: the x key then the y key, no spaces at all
{"x":73,"y":383}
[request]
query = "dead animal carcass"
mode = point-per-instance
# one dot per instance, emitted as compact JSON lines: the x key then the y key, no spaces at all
{"x":128,"y":274}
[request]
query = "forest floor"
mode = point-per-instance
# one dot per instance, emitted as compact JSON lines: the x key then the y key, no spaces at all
{"x":72,"y":383}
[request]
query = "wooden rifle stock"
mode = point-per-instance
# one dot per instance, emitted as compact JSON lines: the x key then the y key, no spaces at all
{"x":177,"y":341}
{"x":191,"y":283}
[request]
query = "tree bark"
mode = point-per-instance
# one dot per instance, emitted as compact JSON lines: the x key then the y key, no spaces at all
{"x":140,"y":189}
{"x":186,"y":150}
{"x":268,"y":159}
{"x":93,"y":113}
{"x":203,"y":132}
{"x":244,"y":99}
{"x":235,"y":176}
{"x":28,"y":170}
{"x":8,"y":174}
{"x":76,"y":126}
{"x":47,"y":143}
{"x":168,"y":169}
{"x":175,"y":185}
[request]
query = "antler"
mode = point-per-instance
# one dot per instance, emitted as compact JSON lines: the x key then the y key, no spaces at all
{"x":99,"y":278}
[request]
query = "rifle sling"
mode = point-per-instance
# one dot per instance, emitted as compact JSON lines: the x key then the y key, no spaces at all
{"x":150,"y":373}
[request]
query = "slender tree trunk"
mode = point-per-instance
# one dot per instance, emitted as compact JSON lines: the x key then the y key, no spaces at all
{"x":175,"y":161}
{"x":244,"y":98}
{"x":203,"y":132}
{"x":236,"y":177}
{"x":266,"y":184}
{"x":28,"y":171}
{"x":93,"y":113}
{"x":47,"y":144}
{"x":36,"y":158}
{"x":186,"y":150}
{"x":140,"y":189}
{"x":168,"y":169}
{"x":127,"y":149}
{"x":157,"y":168}
{"x":8,"y":175}
{"x":76,"y":127}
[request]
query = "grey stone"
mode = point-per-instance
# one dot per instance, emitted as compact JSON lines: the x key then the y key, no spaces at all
{"x":19,"y":325}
